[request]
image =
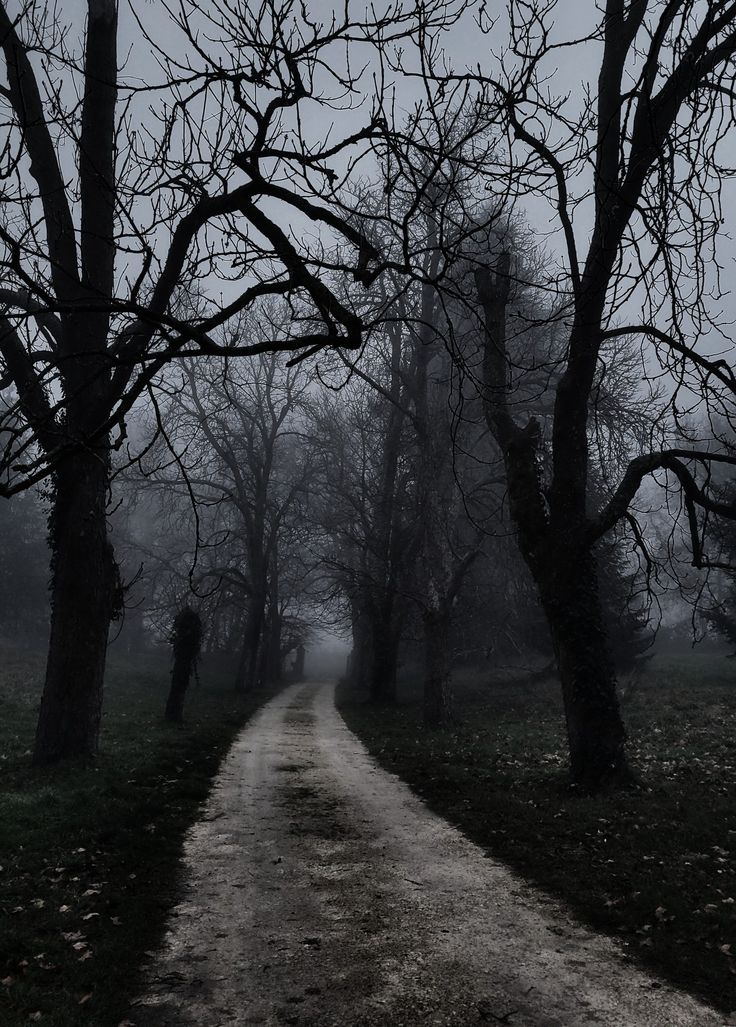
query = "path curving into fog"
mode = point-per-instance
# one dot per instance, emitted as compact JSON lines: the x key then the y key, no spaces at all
{"x":323,"y":893}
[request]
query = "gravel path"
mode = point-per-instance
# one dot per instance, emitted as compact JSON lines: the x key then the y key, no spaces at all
{"x":322,"y":892}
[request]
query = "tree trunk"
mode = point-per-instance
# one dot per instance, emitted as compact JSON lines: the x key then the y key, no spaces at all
{"x":180,"y":676}
{"x":187,"y":639}
{"x":83,"y":582}
{"x":595,"y":731}
{"x":437,"y":659}
{"x":359,"y":661}
{"x":274,"y":665}
{"x":250,"y":665}
{"x":552,"y":528}
{"x":384,"y":658}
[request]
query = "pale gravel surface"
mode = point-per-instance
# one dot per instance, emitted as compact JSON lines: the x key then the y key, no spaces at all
{"x":323,"y":892}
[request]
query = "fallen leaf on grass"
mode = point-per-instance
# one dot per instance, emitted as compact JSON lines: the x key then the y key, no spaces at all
{"x":85,"y":998}
{"x":7,"y":981}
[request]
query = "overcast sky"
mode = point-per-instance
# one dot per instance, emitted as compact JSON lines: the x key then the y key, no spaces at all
{"x":464,"y":44}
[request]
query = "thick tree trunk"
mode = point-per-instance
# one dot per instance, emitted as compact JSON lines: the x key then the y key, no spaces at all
{"x":437,"y":677}
{"x":437,"y":661}
{"x":250,"y":665}
{"x":359,"y":661}
{"x":82,"y":593}
{"x":595,"y":731}
{"x":553,"y":528}
{"x":180,"y":677}
{"x":273,"y":667}
{"x":187,"y":639}
{"x":384,"y":659}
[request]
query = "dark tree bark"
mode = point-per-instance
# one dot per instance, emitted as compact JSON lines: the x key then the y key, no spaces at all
{"x":272,"y":658}
{"x":377,"y":614}
{"x":251,"y":660}
{"x":186,"y":639}
{"x":273,"y":665}
{"x":385,"y":637}
{"x":83,"y":582}
{"x":442,"y":564}
{"x":359,"y":670}
{"x":437,"y":667}
{"x":556,"y":543}
{"x":595,"y":731}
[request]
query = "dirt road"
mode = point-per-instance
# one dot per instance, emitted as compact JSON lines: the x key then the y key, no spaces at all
{"x":322,"y":892}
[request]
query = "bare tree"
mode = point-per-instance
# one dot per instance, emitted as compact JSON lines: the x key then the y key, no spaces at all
{"x":365,"y":508}
{"x":640,"y":159}
{"x":228,"y":451}
{"x":119,"y":192}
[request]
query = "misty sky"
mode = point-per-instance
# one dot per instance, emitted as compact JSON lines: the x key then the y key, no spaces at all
{"x":465,"y":46}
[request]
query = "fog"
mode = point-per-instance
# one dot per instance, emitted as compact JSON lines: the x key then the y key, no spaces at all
{"x":388,"y":345}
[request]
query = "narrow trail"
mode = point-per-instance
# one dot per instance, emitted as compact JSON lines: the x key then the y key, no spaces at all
{"x":322,"y":892}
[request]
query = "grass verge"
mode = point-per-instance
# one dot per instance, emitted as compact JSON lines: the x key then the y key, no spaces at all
{"x":89,"y":856}
{"x":656,"y":867}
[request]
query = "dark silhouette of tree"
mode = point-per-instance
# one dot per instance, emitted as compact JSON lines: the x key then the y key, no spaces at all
{"x":186,"y":639}
{"x":362,"y":509}
{"x":644,"y":149}
{"x":119,"y":194}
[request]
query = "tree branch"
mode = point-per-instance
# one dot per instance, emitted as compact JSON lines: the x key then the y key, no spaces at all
{"x":28,"y":107}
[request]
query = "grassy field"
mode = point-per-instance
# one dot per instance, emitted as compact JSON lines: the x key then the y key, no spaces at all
{"x":88,"y":857}
{"x":655,"y":867}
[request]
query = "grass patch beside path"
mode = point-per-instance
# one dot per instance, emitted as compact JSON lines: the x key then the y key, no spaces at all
{"x":89,"y":857}
{"x":655,"y":867}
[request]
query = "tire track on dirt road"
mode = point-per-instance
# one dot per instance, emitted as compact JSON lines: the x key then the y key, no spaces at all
{"x":322,"y":892}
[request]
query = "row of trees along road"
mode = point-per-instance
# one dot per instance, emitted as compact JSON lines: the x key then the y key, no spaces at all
{"x":643,"y":164}
{"x":121,"y":190}
{"x":224,"y":485}
{"x":490,"y":374}
{"x":415,"y":480}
